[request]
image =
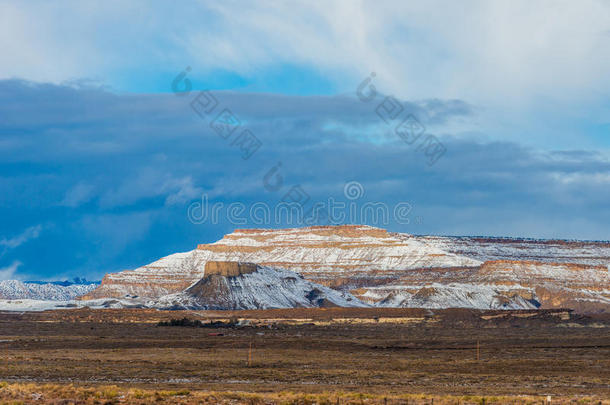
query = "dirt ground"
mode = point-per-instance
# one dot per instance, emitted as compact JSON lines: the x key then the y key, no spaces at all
{"x":305,"y":356}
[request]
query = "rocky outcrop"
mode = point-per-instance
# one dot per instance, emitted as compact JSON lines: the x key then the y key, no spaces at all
{"x":234,"y":285}
{"x":229,"y":269}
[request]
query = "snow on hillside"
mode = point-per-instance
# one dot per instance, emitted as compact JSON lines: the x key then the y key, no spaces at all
{"x":453,"y":295}
{"x":557,"y":251}
{"x":264,"y":288}
{"x":26,"y":305}
{"x":15,"y":289}
{"x":320,"y":254}
{"x":359,"y":248}
{"x":380,"y":267}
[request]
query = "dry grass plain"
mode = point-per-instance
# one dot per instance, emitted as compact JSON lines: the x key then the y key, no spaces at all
{"x":305,"y":356}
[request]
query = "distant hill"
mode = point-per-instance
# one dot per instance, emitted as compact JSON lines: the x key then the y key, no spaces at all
{"x":234,"y":285}
{"x":36,"y":290}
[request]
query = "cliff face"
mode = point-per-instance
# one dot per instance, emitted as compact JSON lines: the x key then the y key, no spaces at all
{"x":390,"y":268}
{"x":165,"y":276}
{"x":229,"y":269}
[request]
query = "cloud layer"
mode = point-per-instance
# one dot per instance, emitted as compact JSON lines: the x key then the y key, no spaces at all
{"x":9,"y":272}
{"x":94,"y":181}
{"x":536,"y":71}
{"x":477,"y":50}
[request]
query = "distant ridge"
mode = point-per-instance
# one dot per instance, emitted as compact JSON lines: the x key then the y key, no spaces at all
{"x":15,"y":289}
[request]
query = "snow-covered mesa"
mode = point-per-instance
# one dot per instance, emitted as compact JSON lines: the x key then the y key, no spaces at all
{"x":370,"y":266}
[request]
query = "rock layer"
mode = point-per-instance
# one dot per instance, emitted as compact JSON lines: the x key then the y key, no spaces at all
{"x":229,"y":269}
{"x":501,"y":284}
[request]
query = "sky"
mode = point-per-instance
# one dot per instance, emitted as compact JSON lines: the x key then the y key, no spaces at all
{"x":120,"y":122}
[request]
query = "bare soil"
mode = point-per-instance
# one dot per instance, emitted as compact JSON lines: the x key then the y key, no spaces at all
{"x":293,"y":356}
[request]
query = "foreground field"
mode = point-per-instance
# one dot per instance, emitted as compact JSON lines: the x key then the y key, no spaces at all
{"x":305,"y":356}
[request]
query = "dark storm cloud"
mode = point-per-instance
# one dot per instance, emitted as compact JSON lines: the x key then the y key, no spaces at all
{"x":107,"y":177}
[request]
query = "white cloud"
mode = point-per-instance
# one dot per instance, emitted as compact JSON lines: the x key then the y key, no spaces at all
{"x":150,"y":182}
{"x":30,"y":233}
{"x":481,"y":51}
{"x":8,"y":273}
{"x":537,"y":70}
{"x":181,"y":190}
{"x":476,"y":50}
{"x":77,"y":195}
{"x":601,"y":179}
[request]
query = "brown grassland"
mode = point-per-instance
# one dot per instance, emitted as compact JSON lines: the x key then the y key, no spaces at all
{"x":333,"y":355}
